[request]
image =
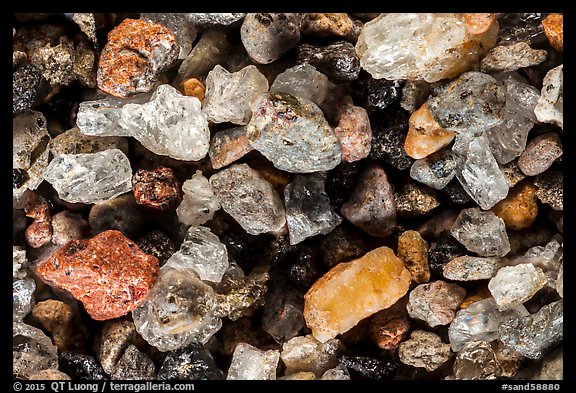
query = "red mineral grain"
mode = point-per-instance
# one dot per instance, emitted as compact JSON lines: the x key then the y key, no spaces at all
{"x":158,"y":189}
{"x":39,"y":233}
{"x":136,"y":52}
{"x":109,"y":274}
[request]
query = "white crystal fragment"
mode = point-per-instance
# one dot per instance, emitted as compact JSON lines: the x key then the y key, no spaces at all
{"x":32,"y":351}
{"x":513,"y":285}
{"x":199,"y":203}
{"x":305,"y":353}
{"x":303,"y":80}
{"x":229,"y":95}
{"x":251,"y":363}
{"x":420,"y":46}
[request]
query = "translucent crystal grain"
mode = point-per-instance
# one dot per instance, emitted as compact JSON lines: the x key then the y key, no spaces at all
{"x":251,"y":363}
{"x":293,"y":133}
{"x":532,"y":336}
{"x":471,"y":104}
{"x":199,"y":203}
{"x":354,"y":290}
{"x":508,"y":139}
{"x":481,"y":232}
{"x":179,"y":310}
{"x":170,"y":124}
{"x":308,"y":209}
{"x":22,"y":298}
{"x":32,"y":351}
{"x":420,"y":46}
{"x":476,"y":361}
{"x":305,"y":353}
{"x":214,"y":18}
{"x":90,"y":178}
{"x":436,"y":170}
{"x":479,"y":322}
{"x":550,"y":108}
{"x":229,"y":95}
{"x":201,"y":251}
{"x":478,"y":172}
{"x":548,"y":258}
{"x":560,"y":281}
{"x":339,"y":373}
{"x":513,"y":285}
{"x":303,"y":80}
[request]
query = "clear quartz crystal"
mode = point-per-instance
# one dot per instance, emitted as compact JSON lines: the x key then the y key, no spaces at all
{"x":90,"y":178}
{"x":513,"y":285}
{"x":251,"y":363}
{"x":420,"y":46}
{"x":170,"y":124}
{"x":179,"y":310}
{"x":214,"y":18}
{"x":476,"y":361}
{"x":308,"y":209}
{"x":479,"y":322}
{"x":305,"y":353}
{"x":532,"y":336}
{"x":339,"y":373}
{"x":508,"y":139}
{"x":478,"y":172}
{"x":22,"y":297}
{"x":303,"y":80}
{"x":102,"y":117}
{"x":32,"y":351}
{"x":202,"y":252}
{"x":481,"y":232}
{"x":199,"y":203}
{"x":228,"y":95}
{"x":560,"y":281}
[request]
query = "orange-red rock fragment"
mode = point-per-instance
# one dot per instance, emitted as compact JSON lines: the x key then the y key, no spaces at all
{"x":108,"y":273}
{"x":425,"y":136}
{"x":553,"y":26}
{"x":478,"y":23}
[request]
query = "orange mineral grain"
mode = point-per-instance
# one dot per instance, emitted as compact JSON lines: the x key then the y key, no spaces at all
{"x":109,"y":274}
{"x":553,"y":26}
{"x":425,"y":136}
{"x":354,"y":290}
{"x":194,"y":88}
{"x":520,"y":208}
{"x":478,"y":23}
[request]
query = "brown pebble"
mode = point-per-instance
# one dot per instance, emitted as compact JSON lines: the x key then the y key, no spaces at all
{"x":135,"y":54}
{"x":540,"y":154}
{"x":372,"y":207}
{"x":388,"y":333}
{"x":39,"y":233}
{"x":478,"y":23}
{"x":227,"y":146}
{"x":109,"y":274}
{"x":551,"y":189}
{"x":194,"y":88}
{"x":520,"y":208}
{"x":58,"y":318}
{"x":329,"y":25}
{"x":415,"y":199}
{"x":512,"y":173}
{"x":476,"y":296}
{"x":439,"y":224}
{"x":279,"y":179}
{"x":158,"y":189}
{"x":553,"y":26}
{"x":413,"y":251}
{"x":425,"y":136}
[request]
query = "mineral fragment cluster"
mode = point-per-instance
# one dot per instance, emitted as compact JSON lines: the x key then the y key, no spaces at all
{"x":287,"y":196}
